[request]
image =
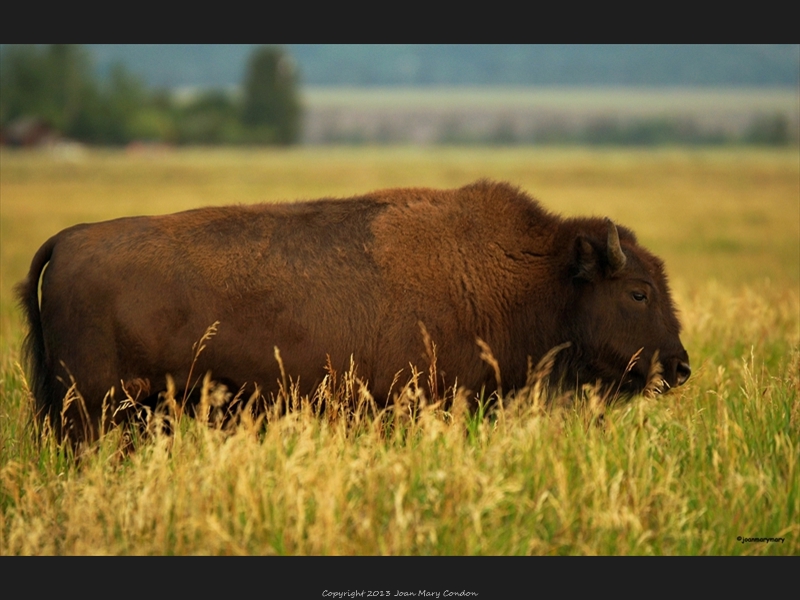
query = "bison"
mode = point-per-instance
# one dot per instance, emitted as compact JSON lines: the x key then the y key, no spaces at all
{"x":330,"y":281}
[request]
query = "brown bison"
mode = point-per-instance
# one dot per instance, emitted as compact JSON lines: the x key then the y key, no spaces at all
{"x":123,"y":301}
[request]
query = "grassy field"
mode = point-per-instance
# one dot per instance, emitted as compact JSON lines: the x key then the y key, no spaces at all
{"x":702,"y":470}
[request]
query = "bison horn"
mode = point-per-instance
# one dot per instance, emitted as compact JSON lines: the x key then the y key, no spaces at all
{"x":616,"y":258}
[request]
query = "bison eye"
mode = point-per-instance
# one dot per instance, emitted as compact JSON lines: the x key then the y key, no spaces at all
{"x":639,"y":296}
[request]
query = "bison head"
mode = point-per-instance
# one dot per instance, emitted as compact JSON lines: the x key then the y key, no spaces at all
{"x":622,"y":310}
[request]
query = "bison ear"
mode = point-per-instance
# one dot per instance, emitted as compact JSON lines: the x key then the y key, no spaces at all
{"x":586,"y":264}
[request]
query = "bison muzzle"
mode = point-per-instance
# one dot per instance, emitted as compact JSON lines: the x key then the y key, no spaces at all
{"x":327,"y":281}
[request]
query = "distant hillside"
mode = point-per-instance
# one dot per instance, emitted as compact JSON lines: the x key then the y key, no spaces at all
{"x":536,"y":115}
{"x":182,"y":65}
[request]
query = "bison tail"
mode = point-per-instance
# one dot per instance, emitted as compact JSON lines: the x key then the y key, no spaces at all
{"x":46,"y":402}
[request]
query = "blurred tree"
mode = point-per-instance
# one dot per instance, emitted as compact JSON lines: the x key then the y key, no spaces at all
{"x":51,"y":83}
{"x":70,"y":81}
{"x":211,"y":118}
{"x":108,"y":114}
{"x":271,"y":110}
{"x":55,"y":84}
{"x":126,"y":96}
{"x":769,"y":129}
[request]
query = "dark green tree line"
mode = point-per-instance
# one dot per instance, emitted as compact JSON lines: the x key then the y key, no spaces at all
{"x":55,"y":85}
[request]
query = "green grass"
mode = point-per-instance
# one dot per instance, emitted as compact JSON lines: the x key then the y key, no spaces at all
{"x":688,"y":472}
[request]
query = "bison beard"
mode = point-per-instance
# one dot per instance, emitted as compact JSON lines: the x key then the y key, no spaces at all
{"x":123,"y":301}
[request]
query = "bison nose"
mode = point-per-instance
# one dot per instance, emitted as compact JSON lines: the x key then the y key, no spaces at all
{"x":683,"y":372}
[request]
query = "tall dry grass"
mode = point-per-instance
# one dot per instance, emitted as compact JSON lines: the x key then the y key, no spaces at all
{"x":687,"y":472}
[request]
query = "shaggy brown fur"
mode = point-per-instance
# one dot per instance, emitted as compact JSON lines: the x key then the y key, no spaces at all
{"x":123,"y":301}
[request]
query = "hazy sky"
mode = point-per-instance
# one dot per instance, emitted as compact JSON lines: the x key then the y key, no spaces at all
{"x":367,"y":65}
